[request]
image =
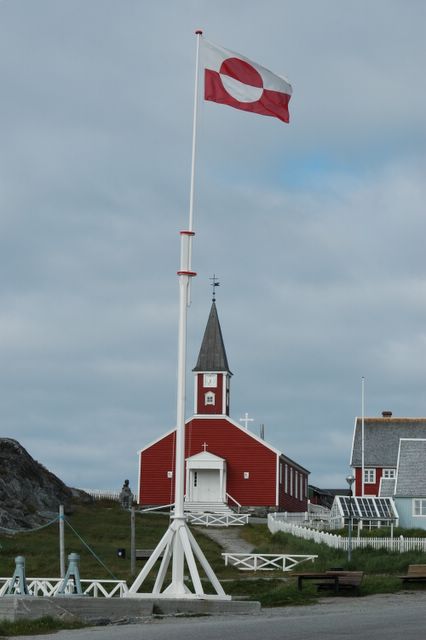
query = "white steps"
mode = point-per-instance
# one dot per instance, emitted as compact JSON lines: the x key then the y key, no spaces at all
{"x":206,"y":507}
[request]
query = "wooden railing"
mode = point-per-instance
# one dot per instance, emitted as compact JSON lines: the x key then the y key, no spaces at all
{"x":234,"y":501}
{"x":218,"y":519}
{"x":162,"y":507}
{"x":265,"y":561}
{"x":48,"y":587}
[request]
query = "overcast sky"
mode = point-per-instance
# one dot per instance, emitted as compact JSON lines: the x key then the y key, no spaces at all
{"x":316,"y":229}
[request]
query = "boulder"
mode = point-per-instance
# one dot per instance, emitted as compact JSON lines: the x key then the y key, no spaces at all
{"x":30,"y":495}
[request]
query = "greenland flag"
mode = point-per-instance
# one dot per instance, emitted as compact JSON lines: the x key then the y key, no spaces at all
{"x":232,"y":79}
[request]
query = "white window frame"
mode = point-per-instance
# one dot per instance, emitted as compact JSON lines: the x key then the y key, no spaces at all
{"x":369,"y":476}
{"x":210,"y":380}
{"x":210,"y":398}
{"x":389,"y":474}
{"x":419,"y":506}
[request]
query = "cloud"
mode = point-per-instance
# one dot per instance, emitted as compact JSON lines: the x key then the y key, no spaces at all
{"x":315,"y":229}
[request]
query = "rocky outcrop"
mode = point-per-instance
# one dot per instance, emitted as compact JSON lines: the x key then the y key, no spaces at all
{"x":29,"y":494}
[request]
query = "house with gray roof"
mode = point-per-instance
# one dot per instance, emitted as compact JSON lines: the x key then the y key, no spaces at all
{"x":380,"y":439}
{"x":393,"y":464}
{"x":410,"y":483}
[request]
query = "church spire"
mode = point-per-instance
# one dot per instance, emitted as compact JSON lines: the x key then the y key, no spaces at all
{"x":212,"y":374}
{"x":212,"y":356}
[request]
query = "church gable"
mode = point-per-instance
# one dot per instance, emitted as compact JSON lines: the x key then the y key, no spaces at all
{"x":251,"y":465}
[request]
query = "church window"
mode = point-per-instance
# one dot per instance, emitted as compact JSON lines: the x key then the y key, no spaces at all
{"x":286,"y":478}
{"x":170,"y":474}
{"x":195,"y":478}
{"x":246,"y":475}
{"x":210,"y":398}
{"x":281,"y":472}
{"x":296,"y":485}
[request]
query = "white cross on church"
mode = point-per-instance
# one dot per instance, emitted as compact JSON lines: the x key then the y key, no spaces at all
{"x":205,"y":445}
{"x":246,"y":420}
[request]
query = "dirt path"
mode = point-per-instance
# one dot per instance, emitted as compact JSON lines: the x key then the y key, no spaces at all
{"x":228,"y":538}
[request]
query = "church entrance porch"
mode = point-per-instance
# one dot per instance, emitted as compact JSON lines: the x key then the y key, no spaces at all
{"x":205,"y":479}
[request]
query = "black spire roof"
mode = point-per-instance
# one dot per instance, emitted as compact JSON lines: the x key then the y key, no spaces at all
{"x":212,"y":356}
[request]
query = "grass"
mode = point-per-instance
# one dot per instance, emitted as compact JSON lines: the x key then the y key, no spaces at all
{"x":368,"y":560}
{"x":272,"y":592}
{"x":105,"y":527}
{"x":46,"y":624}
{"x":381,"y":567}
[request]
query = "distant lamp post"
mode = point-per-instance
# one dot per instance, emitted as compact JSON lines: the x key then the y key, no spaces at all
{"x":350,"y":480}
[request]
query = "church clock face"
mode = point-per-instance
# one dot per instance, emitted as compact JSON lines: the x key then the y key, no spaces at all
{"x":210,"y":380}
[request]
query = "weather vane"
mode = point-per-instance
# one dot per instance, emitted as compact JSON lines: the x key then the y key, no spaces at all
{"x":215,"y":283}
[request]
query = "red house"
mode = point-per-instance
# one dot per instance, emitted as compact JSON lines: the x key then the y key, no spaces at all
{"x":225,"y":463}
{"x":380,"y":440}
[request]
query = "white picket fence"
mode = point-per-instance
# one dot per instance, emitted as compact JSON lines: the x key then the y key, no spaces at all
{"x":399,"y":544}
{"x":102,"y":494}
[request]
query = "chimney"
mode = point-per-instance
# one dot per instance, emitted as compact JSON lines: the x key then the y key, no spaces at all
{"x":386,"y":414}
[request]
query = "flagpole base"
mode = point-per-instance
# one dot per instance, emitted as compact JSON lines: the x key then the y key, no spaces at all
{"x":178,"y":546}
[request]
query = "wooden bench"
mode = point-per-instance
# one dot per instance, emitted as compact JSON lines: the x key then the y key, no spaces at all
{"x":415,"y":573}
{"x":346,"y":580}
{"x":336,"y":581}
{"x":144,"y":554}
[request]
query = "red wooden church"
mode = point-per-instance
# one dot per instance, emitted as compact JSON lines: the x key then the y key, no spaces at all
{"x":225,"y":463}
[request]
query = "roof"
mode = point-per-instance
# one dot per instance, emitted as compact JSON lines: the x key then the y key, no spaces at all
{"x":205,"y":455}
{"x":381,"y":439}
{"x":264,"y":443}
{"x":212,"y":356}
{"x":367,"y":508}
{"x":331,"y":492}
{"x":411,"y":474}
{"x":387,"y":487}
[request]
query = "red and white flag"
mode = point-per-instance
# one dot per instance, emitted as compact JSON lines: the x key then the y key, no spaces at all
{"x":232,"y":79}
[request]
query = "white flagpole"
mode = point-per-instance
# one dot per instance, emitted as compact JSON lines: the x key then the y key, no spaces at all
{"x":198,"y":33}
{"x":362,"y":435}
{"x":178,"y":544}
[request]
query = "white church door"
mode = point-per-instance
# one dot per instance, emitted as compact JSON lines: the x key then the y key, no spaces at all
{"x":206,"y":485}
